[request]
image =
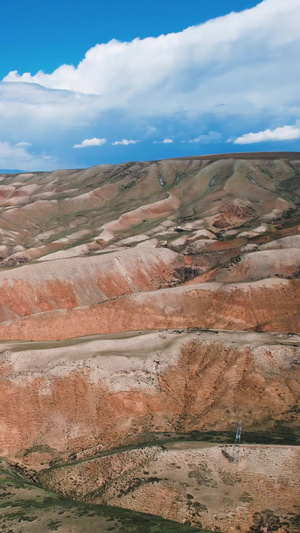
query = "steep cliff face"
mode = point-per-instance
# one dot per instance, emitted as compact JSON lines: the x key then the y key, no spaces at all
{"x":109,"y":278}
{"x":101,"y":392}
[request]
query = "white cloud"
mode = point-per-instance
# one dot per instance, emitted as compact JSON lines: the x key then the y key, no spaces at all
{"x":231,"y":60}
{"x":286,"y":133}
{"x":211,"y":137}
{"x":90,"y":142}
{"x":18,"y":157}
{"x":43,"y":112}
{"x":165,"y":141}
{"x":8,"y":151}
{"x":23,"y":144}
{"x":124,"y":142}
{"x":231,"y":72}
{"x":151,"y":130}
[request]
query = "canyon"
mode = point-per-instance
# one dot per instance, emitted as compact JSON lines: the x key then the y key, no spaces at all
{"x":146,"y":308}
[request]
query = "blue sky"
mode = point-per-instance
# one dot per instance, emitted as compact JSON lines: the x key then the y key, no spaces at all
{"x":85,"y":83}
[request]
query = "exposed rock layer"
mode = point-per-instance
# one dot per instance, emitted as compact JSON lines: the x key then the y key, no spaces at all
{"x":149,"y":226}
{"x":103,"y":392}
{"x":273,"y":305}
{"x":203,"y":243}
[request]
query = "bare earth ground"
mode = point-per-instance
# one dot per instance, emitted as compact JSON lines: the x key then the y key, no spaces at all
{"x":142,"y":305}
{"x":193,"y":483}
{"x":28,"y":508}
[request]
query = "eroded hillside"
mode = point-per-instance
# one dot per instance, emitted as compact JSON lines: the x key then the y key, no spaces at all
{"x":31,"y":509}
{"x":93,"y":239}
{"x":102,"y":392}
{"x":155,"y":303}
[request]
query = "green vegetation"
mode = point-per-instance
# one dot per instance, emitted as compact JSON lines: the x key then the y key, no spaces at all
{"x":29,"y":508}
{"x":280,"y":435}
